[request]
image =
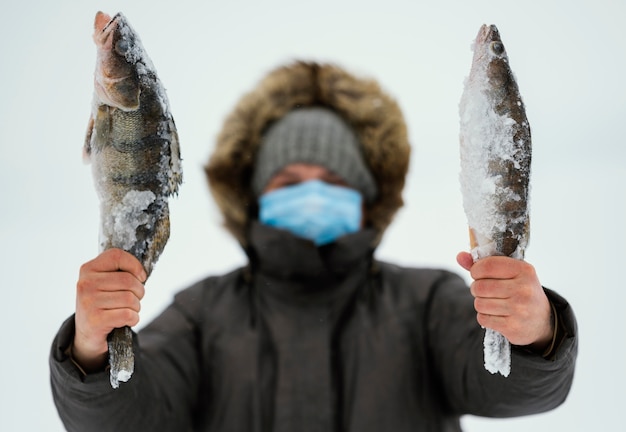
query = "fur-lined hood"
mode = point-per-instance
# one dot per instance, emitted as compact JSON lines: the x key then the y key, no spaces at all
{"x":373,"y":114}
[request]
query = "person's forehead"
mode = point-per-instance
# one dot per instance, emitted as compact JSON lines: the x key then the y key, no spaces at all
{"x":304,"y":168}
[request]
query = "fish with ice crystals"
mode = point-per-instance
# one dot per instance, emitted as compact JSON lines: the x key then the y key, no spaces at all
{"x":495,"y":166}
{"x":132,"y":145}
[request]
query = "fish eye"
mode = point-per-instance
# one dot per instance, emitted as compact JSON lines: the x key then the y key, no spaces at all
{"x":497,"y":47}
{"x":122,"y":46}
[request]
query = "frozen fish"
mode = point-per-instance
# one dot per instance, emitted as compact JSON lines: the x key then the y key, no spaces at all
{"x":495,"y":148}
{"x":132,"y":145}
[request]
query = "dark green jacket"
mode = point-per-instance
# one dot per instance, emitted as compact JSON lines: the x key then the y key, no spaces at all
{"x":314,"y":340}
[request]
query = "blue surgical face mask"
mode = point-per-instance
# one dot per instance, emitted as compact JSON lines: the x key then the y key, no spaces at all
{"x":314,"y":210}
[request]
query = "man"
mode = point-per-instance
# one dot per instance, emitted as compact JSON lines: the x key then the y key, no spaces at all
{"x":314,"y":334}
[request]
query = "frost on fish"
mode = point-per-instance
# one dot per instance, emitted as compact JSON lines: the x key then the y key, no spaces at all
{"x":495,"y":166}
{"x":121,"y":222}
{"x":497,"y":353}
{"x":133,"y":147}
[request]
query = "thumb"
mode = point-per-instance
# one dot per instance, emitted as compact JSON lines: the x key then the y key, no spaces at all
{"x":465,"y":260}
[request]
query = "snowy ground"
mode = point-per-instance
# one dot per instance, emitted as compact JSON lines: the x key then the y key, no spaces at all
{"x":569,"y":60}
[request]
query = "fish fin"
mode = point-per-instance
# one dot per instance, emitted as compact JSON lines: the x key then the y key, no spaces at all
{"x":87,"y":145}
{"x":176,"y":171}
{"x":159,"y":239}
{"x":473,"y":241}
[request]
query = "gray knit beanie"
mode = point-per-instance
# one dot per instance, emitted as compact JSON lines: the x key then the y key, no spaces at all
{"x":318,"y":136}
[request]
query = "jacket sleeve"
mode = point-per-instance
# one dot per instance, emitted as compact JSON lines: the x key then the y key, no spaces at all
{"x":535,"y":384}
{"x":158,"y":397}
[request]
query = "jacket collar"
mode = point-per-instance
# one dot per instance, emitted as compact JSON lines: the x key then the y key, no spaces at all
{"x":281,"y":257}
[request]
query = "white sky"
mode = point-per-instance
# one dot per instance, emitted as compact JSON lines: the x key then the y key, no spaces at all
{"x":570,"y":61}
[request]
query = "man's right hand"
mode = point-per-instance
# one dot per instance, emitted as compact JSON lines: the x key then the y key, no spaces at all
{"x":108,"y":295}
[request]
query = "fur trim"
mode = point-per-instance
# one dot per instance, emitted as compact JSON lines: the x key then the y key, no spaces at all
{"x":374,"y":115}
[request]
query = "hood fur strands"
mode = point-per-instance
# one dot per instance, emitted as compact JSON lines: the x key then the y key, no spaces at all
{"x":374,"y":115}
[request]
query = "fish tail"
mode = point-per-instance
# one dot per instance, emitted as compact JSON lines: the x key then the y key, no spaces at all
{"x":121,"y":356}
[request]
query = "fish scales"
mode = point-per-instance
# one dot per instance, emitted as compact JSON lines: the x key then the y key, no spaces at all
{"x":495,"y":145}
{"x":132,"y":144}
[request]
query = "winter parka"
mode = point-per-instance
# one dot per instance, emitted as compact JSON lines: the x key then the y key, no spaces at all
{"x":313,"y":339}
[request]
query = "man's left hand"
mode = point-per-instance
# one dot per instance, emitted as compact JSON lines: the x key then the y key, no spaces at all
{"x":509,"y":299}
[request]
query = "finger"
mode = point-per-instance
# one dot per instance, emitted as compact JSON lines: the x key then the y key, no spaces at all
{"x":514,"y":331}
{"x":119,"y":282}
{"x":92,"y":284}
{"x":492,"y":307}
{"x":100,"y":324}
{"x":117,"y":318}
{"x":465,"y":260}
{"x":117,"y":300}
{"x":491,"y":288}
{"x":497,"y":267}
{"x":113,"y":260}
{"x":493,"y":322}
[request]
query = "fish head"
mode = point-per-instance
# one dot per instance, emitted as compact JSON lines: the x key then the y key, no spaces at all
{"x":488,"y":45}
{"x":116,"y":77}
{"x":490,"y":55}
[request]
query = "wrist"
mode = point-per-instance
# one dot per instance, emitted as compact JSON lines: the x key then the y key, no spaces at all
{"x":545,"y":344}
{"x":88,"y":360}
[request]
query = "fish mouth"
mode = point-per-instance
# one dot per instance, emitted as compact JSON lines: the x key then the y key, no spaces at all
{"x":104,"y":26}
{"x":103,"y":21}
{"x":488,"y":33}
{"x":488,"y":43}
